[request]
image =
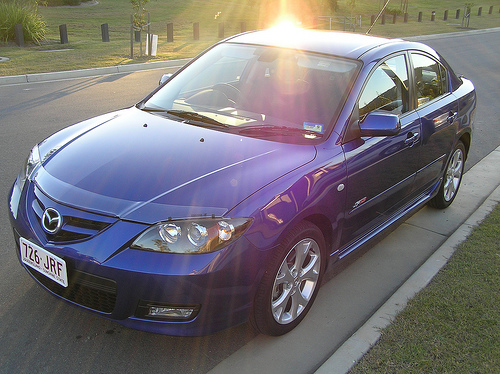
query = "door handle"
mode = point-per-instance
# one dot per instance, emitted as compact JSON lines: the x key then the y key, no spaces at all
{"x":451,"y":117}
{"x":412,"y":138}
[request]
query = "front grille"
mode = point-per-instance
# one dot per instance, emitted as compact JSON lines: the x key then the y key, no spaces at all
{"x":77,"y":225}
{"x":85,"y":289}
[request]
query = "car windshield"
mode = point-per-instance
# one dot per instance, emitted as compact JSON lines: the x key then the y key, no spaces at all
{"x":273,"y":93}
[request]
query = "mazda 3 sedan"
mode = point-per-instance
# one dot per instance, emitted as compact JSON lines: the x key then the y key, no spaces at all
{"x":226,"y":194}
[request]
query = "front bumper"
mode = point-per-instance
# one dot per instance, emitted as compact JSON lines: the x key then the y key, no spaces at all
{"x":108,"y":278}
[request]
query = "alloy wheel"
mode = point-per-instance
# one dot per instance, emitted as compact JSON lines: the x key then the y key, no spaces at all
{"x":296,"y":281}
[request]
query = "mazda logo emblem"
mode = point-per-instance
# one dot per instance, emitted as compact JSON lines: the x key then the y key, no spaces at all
{"x":51,"y":221}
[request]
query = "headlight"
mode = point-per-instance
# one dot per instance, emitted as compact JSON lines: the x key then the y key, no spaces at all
{"x":29,"y":166}
{"x":203,"y":235}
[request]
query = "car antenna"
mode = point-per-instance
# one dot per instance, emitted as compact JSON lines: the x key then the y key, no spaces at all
{"x":378,"y":16}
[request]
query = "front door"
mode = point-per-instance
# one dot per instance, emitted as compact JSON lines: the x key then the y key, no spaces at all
{"x":381,"y":170}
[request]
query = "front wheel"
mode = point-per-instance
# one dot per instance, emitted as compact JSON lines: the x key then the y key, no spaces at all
{"x":291,"y":282}
{"x":451,"y":179}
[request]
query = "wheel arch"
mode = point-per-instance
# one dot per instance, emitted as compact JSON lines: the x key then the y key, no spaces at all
{"x":325,"y":226}
{"x":466,"y":138}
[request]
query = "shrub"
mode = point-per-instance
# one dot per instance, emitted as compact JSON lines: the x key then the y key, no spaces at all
{"x":394,"y":11}
{"x":25,"y":13}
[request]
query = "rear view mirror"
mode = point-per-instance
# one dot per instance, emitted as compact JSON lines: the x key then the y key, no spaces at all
{"x":380,"y":124}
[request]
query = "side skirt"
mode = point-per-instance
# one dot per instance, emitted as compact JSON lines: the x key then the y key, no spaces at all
{"x":388,"y":225}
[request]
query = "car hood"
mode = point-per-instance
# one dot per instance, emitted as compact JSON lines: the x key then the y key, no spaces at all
{"x":147,"y":168}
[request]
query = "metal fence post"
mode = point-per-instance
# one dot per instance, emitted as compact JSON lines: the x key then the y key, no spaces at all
{"x":63,"y":33}
{"x":18,"y":29}
{"x":150,"y":37}
{"x":170,"y":32}
{"x":221,"y":30}
{"x":196,"y":31}
{"x":105,"y":32}
{"x":131,"y":37}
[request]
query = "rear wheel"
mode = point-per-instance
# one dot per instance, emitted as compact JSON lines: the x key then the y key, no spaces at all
{"x":291,"y":282}
{"x":451,"y":179}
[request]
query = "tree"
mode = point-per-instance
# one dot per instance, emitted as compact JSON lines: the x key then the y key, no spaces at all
{"x":139,"y":17}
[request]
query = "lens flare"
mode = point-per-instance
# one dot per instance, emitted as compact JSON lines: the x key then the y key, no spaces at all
{"x":286,"y":24}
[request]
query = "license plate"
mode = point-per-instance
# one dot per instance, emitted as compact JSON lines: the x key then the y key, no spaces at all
{"x":44,"y":262}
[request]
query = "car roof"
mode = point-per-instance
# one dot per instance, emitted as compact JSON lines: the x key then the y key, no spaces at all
{"x":320,"y":41}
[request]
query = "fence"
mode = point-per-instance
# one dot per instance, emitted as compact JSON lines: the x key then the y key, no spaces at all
{"x":349,"y":23}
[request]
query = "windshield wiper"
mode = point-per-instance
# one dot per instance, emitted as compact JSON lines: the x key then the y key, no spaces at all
{"x":191,"y":118}
{"x":153,"y":110}
{"x":272,"y":130}
{"x":197,"y":119}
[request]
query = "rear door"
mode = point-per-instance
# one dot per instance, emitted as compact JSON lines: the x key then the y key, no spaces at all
{"x":437,"y":108}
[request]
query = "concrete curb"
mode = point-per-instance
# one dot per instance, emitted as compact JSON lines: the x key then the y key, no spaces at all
{"x":86,"y":73}
{"x":353,"y":349}
{"x":422,"y":38}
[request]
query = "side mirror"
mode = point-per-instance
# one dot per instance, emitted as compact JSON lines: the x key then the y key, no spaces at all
{"x":164,"y":78}
{"x":380,"y":124}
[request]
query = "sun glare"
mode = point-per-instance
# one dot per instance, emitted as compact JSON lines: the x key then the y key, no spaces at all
{"x":286,"y":24}
{"x":287,"y":14}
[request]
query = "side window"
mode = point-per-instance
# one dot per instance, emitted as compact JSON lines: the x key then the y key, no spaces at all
{"x":430,"y":78}
{"x":387,"y":88}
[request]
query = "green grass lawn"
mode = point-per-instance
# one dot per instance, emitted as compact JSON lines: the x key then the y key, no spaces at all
{"x":453,"y":325}
{"x":86,"y":50}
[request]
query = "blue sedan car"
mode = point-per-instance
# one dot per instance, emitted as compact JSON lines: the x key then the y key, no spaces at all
{"x":226,"y":194}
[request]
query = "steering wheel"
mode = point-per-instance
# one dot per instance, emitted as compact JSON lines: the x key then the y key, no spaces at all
{"x":227,"y":89}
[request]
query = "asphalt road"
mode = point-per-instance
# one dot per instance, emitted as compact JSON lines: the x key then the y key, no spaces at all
{"x":39,"y":333}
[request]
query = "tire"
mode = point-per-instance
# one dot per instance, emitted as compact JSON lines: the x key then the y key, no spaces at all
{"x":452,"y":178}
{"x":290,"y":283}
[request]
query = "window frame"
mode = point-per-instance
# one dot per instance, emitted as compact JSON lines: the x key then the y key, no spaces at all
{"x":372,"y":72}
{"x":445,"y":71}
{"x":352,"y":131}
